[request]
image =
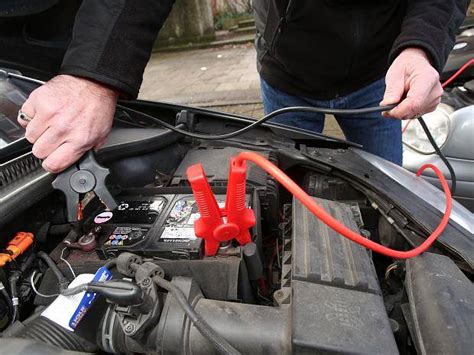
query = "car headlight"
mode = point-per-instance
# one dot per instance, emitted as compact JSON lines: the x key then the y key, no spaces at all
{"x":438,"y":123}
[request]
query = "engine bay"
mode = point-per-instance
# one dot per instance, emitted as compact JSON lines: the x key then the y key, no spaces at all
{"x":297,"y":287}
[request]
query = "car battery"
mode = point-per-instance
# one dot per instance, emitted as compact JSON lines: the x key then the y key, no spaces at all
{"x":215,"y":161}
{"x":154,"y":226}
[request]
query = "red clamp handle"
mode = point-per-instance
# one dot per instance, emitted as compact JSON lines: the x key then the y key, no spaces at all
{"x":236,"y":211}
{"x":211,"y":225}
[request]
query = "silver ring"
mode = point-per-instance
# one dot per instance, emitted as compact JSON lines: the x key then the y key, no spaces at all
{"x":24,"y":117}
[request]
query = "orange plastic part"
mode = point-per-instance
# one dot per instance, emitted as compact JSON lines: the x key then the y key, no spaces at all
{"x":17,"y":246}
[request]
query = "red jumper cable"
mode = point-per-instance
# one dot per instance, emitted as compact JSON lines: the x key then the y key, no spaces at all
{"x":210,"y":225}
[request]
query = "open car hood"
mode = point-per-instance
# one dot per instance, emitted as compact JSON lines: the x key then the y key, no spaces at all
{"x":321,"y":292}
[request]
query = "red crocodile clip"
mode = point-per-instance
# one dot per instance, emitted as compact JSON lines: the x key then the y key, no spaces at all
{"x":211,"y":225}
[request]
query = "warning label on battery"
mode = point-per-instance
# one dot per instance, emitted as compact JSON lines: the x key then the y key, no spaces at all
{"x":180,"y":222}
{"x":126,"y":235}
{"x":136,"y":212}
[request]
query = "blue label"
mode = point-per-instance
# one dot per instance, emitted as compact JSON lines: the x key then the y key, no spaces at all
{"x":103,"y":274}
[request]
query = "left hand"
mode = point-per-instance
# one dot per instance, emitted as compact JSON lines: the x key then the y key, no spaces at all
{"x":411,"y":73}
{"x":71,"y":115}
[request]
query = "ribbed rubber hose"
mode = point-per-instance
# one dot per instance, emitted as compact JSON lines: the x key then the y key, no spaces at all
{"x":220,"y":343}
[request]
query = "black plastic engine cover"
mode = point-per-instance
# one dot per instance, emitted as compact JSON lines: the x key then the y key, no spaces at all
{"x":337,"y":305}
{"x":323,"y":256}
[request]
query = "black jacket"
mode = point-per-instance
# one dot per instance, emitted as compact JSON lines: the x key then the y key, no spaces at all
{"x":109,"y":41}
{"x":314,"y":48}
{"x":323,"y":49}
{"x":112,"y":41}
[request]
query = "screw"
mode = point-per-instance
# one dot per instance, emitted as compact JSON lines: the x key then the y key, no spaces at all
{"x":129,"y":328}
{"x":82,"y":181}
{"x":146,"y":282}
{"x":332,"y":160}
{"x":341,"y":150}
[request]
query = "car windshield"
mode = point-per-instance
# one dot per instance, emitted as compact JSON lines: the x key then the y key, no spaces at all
{"x":11,"y":99}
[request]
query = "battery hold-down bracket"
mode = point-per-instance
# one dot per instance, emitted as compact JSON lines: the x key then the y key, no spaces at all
{"x":220,"y":224}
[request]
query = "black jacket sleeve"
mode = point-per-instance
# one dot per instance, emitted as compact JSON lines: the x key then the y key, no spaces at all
{"x":112,"y":41}
{"x":431,"y":25}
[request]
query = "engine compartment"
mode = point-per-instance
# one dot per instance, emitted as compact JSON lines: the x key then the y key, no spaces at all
{"x":299,"y":287}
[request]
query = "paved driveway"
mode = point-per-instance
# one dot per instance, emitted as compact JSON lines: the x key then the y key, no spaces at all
{"x":224,"y":79}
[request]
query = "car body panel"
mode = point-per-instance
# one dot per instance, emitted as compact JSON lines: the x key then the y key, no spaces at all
{"x":422,"y":189}
{"x":460,"y":141}
{"x":458,"y":149}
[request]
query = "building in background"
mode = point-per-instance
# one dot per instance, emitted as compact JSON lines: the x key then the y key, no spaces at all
{"x":195,"y":23}
{"x":190,"y":21}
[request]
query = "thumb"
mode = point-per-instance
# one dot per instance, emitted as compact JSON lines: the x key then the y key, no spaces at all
{"x":395,"y":86}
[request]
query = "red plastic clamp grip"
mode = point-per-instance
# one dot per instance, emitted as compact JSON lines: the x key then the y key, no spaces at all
{"x":211,"y":225}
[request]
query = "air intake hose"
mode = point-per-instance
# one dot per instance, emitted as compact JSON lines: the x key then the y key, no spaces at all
{"x":46,"y":331}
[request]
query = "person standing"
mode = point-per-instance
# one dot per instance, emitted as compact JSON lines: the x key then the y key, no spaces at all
{"x":355,"y":54}
{"x":331,"y":53}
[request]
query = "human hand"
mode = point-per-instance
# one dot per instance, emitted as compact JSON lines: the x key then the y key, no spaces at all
{"x":411,"y":73}
{"x":70,"y":116}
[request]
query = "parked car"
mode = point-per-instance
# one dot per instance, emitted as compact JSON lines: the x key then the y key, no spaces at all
{"x":452,"y":124}
{"x":301,"y":287}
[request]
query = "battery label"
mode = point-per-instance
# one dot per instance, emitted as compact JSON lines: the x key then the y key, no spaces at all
{"x":126,"y":235}
{"x":179,"y":225}
{"x":135,"y":212}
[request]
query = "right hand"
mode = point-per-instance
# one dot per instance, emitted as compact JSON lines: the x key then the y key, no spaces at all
{"x":411,"y":74}
{"x":70,"y":116}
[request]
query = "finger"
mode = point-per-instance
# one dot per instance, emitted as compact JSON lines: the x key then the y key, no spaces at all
{"x":47,"y":143}
{"x":395,"y":87}
{"x":28,"y":108}
{"x":63,"y":157}
{"x":415,"y":102}
{"x":432,"y":105}
{"x":36,"y":127}
{"x":100,"y":144}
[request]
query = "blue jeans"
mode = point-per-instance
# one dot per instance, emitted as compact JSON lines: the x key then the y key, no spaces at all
{"x":378,"y":135}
